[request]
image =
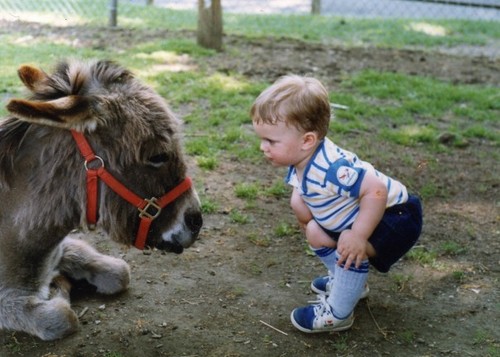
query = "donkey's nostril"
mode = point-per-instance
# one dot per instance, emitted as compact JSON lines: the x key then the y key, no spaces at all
{"x":194,"y":222}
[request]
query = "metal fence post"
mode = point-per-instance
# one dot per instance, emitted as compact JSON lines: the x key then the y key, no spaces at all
{"x":113,"y":10}
{"x":316,"y":7}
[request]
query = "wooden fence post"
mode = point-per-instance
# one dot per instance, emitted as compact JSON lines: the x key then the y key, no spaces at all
{"x":209,"y":34}
{"x":113,"y":11}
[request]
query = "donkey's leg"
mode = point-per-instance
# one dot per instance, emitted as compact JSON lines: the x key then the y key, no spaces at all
{"x":81,"y":261}
{"x":47,"y":319}
{"x":60,"y":286}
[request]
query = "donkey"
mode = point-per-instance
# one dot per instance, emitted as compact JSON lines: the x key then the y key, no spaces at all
{"x":90,"y":145}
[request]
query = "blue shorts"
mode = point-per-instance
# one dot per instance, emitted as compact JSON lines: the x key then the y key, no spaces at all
{"x":396,"y":233}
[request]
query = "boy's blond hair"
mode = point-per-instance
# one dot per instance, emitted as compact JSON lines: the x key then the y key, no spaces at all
{"x":299,"y":101}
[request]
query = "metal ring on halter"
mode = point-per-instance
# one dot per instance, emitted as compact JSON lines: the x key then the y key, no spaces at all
{"x":96,"y":158}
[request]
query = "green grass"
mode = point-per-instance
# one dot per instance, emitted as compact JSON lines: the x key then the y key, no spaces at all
{"x":284,"y":230}
{"x":422,"y":256}
{"x":247,"y":191}
{"x":238,"y":217}
{"x":278,"y":190}
{"x":259,"y":240}
{"x":208,"y":205}
{"x":411,"y":110}
{"x":452,"y":248}
{"x":401,"y":110}
{"x":387,"y":32}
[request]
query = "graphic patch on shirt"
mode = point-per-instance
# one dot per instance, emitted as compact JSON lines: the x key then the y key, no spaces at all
{"x":346,"y":176}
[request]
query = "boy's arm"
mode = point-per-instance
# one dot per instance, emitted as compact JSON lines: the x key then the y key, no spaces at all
{"x":300,"y":209}
{"x":352,"y":244}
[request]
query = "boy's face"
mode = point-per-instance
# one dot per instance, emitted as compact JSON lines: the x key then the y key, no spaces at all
{"x":280,"y":143}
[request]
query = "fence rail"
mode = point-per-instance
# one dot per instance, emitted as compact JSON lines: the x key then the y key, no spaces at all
{"x":102,"y":11}
{"x":492,"y":4}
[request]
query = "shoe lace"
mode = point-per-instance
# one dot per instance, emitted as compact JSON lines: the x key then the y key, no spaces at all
{"x":321,"y":306}
{"x":318,"y":299}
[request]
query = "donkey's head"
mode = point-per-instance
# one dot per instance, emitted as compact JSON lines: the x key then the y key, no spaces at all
{"x":131,"y":129}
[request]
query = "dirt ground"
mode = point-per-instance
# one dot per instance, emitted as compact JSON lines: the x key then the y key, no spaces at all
{"x":231,"y":293}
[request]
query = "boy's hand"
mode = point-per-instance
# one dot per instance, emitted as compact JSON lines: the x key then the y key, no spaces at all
{"x":351,"y":248}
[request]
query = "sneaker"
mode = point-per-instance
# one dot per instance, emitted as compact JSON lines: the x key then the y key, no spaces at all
{"x":319,"y":318}
{"x":323,"y":284}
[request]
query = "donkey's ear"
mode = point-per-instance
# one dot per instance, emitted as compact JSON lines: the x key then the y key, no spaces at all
{"x":33,"y":78}
{"x":68,"y":112}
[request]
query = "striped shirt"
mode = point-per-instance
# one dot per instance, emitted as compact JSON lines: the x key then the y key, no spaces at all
{"x":331,"y":185}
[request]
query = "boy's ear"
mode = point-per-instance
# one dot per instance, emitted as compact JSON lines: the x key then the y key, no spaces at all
{"x":309,"y":140}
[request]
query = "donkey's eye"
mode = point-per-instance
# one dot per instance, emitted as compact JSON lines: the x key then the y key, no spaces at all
{"x":157,"y":160}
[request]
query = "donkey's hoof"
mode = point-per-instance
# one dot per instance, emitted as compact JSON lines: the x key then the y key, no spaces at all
{"x":54,"y":319}
{"x":114,"y":278}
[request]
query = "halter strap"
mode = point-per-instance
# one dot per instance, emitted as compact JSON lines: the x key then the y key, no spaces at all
{"x":149,"y":208}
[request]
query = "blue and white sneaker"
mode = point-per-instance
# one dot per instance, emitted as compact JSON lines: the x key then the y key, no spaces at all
{"x":322,"y":286}
{"x":319,"y":318}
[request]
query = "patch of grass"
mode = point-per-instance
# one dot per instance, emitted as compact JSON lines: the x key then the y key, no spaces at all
{"x":208,"y":206}
{"x":389,"y":32}
{"x":386,"y":32}
{"x":410,"y":135}
{"x":400,"y":280}
{"x":161,"y":50}
{"x":429,"y":190}
{"x":284,"y":230}
{"x":259,"y":240}
{"x":278,"y":189}
{"x":248,"y":191}
{"x":235,"y":293}
{"x":452,"y":248}
{"x":238,"y":217}
{"x":208,"y":163}
{"x":422,"y":256}
{"x":486,"y":342}
{"x":199,"y":146}
{"x":14,"y":346}
{"x":407,"y":336}
{"x":340,"y":343}
{"x":411,"y":110}
{"x":459,"y":276}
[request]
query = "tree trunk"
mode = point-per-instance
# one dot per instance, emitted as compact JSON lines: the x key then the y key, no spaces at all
{"x":316,"y":7}
{"x":150,"y":2}
{"x":210,"y":24}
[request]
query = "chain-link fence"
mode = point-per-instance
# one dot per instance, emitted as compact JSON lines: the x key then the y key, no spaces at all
{"x":437,"y":9}
{"x":99,"y":10}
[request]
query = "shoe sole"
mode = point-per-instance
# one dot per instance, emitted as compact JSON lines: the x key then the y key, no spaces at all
{"x":338,"y":329}
{"x":364,"y":295}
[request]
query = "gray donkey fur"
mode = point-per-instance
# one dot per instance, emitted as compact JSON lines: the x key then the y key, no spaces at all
{"x":43,"y":189}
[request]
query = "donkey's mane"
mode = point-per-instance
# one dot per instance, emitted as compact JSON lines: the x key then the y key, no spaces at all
{"x":75,"y":77}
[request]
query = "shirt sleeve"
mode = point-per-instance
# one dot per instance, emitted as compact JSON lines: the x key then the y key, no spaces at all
{"x":347,"y":177}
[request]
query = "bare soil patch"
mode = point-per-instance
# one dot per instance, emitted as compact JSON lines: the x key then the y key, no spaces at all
{"x":214,"y":299}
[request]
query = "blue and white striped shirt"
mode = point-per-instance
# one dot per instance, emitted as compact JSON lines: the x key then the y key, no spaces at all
{"x":331,"y":184}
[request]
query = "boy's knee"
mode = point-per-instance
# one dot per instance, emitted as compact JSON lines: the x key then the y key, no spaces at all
{"x":317,"y":237}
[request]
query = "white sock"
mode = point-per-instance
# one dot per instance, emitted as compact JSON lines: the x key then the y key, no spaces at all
{"x":327,"y":257}
{"x":347,"y":288}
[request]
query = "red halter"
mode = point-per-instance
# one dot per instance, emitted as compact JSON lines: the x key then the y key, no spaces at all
{"x":142,"y":204}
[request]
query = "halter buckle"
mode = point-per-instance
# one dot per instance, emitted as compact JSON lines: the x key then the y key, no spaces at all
{"x":151,"y":203}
